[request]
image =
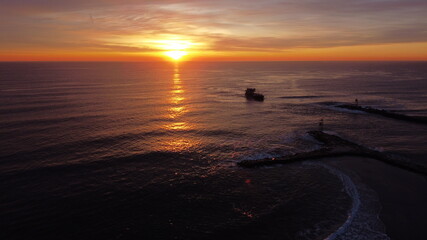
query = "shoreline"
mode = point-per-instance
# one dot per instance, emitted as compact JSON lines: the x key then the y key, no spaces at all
{"x":402,"y":194}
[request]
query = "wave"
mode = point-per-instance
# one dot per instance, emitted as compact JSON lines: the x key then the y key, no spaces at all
{"x":334,"y":106}
{"x":50,"y":121}
{"x":363,"y":222}
{"x":302,"y":97}
{"x":31,"y":109}
{"x":351,"y":190}
{"x":82,"y":167}
{"x":92,"y":148}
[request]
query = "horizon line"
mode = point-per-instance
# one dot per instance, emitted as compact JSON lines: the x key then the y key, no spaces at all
{"x":151,"y":61}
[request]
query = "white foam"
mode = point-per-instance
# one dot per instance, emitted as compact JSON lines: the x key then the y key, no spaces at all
{"x":351,"y":190}
{"x":362,"y":223}
{"x":345,"y":110}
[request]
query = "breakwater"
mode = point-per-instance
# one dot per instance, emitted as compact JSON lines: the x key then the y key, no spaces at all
{"x":334,"y":146}
{"x":385,"y":113}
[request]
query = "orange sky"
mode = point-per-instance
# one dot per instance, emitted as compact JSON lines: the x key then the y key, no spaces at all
{"x":232,"y":30}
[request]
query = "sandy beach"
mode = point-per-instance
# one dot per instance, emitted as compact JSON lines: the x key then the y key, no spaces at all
{"x":402,"y":194}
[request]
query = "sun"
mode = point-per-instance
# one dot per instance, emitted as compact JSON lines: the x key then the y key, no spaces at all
{"x":175,"y":55}
{"x":173,"y":48}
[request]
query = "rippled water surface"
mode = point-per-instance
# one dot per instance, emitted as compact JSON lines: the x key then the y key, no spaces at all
{"x":148,"y":150}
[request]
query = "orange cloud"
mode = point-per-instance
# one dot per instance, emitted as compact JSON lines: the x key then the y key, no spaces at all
{"x":263,"y":30}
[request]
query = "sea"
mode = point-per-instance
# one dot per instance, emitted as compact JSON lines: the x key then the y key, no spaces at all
{"x":149,"y":150}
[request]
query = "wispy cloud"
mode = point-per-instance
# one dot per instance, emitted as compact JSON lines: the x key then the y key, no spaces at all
{"x":236,"y":25}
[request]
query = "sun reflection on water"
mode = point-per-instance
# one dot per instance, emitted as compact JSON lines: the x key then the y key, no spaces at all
{"x":177,"y":126}
{"x":176,"y":114}
{"x":176,"y":99}
{"x":178,"y":144}
{"x":177,"y":91}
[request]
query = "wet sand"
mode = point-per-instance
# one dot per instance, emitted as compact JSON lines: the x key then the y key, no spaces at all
{"x":403,"y":194}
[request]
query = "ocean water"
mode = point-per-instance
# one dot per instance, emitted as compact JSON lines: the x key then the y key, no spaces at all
{"x":149,"y":150}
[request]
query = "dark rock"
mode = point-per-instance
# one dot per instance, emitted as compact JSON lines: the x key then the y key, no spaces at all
{"x":251,"y":95}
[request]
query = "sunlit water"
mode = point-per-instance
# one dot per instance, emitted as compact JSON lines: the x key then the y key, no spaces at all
{"x":148,"y":150}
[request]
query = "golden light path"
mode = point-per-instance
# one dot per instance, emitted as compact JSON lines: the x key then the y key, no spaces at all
{"x":176,"y":113}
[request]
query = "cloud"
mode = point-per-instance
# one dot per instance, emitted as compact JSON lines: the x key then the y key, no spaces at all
{"x":236,"y":25}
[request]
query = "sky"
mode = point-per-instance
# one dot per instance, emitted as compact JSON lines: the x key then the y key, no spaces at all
{"x":220,"y":30}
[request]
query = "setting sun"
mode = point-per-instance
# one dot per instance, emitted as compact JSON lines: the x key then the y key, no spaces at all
{"x":176,"y":55}
{"x":174,"y":48}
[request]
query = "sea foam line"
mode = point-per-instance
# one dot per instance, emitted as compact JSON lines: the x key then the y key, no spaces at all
{"x":351,"y":189}
{"x":361,"y":224}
